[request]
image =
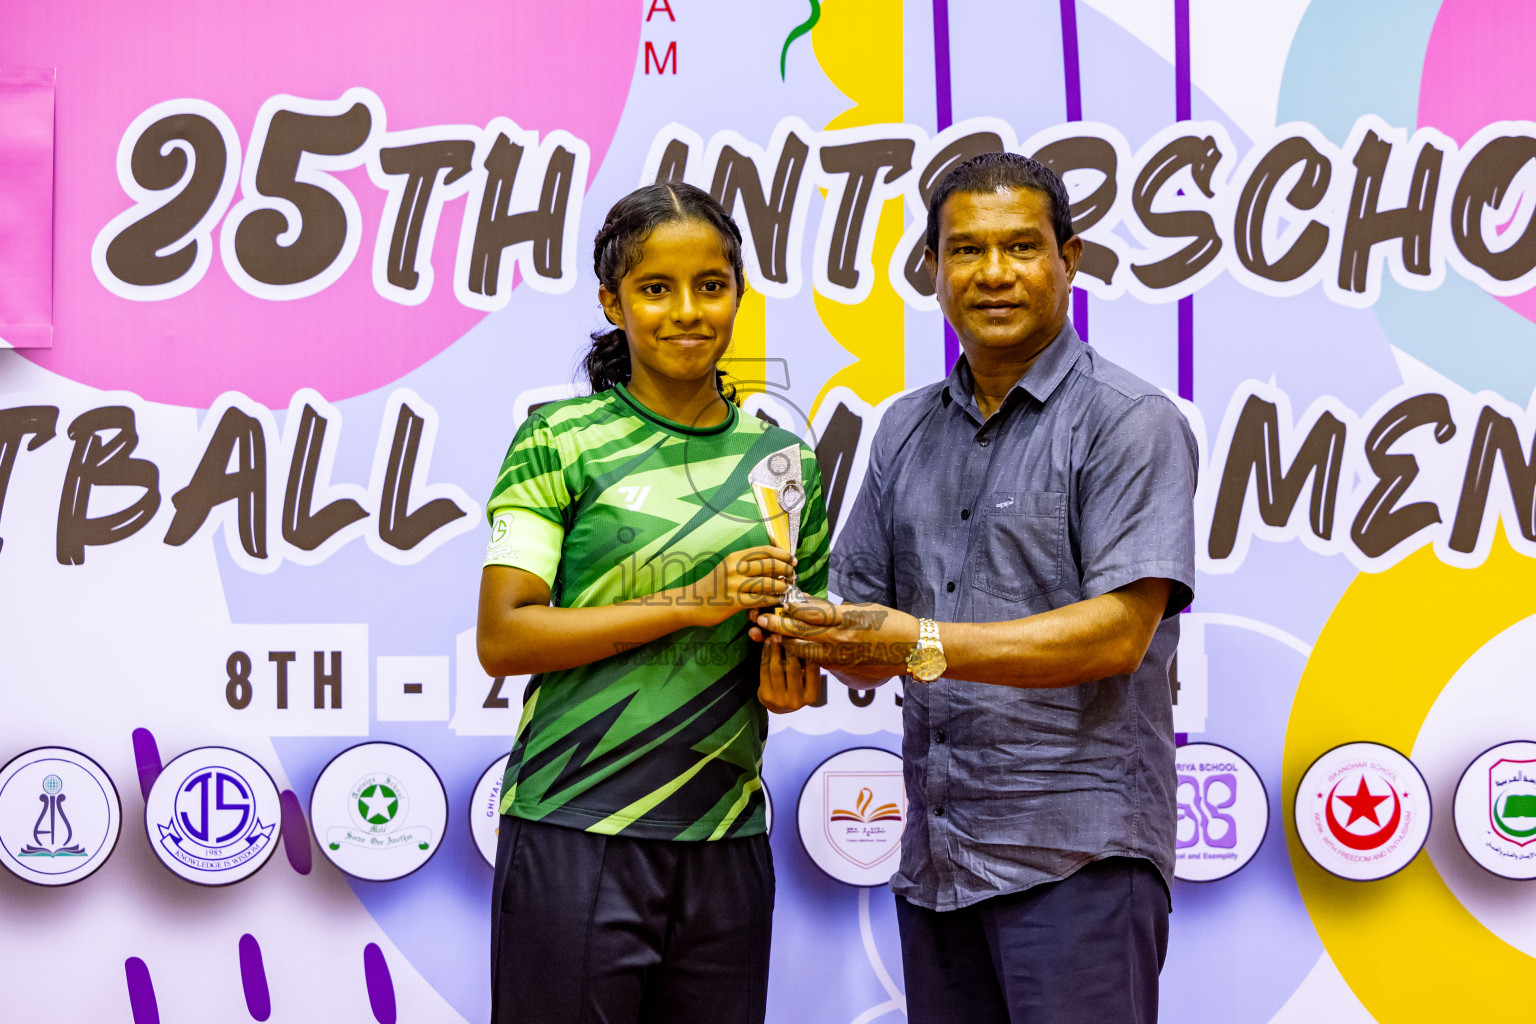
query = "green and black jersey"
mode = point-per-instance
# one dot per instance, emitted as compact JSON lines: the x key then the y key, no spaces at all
{"x":606,"y":501}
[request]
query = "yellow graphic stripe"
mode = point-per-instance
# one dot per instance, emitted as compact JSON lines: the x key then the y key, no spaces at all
{"x":858,"y":44}
{"x":749,"y":346}
{"x":739,"y":806}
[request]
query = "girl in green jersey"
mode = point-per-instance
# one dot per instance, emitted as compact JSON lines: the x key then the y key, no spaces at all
{"x":634,"y":880}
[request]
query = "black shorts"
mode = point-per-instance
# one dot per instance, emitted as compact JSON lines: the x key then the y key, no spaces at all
{"x":594,"y":928}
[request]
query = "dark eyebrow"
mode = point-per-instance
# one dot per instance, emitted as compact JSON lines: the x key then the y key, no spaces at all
{"x":723,"y":270}
{"x":967,"y":236}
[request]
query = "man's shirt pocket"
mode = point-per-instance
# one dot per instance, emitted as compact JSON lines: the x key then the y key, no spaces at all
{"x":1021,"y":550}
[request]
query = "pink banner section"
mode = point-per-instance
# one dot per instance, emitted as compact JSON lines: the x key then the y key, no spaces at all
{"x":26,"y":208}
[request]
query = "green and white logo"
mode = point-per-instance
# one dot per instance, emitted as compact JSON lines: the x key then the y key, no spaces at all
{"x":501,"y":548}
{"x":1496,"y":810}
{"x":1512,"y":800}
{"x":378,"y":811}
{"x":378,"y":802}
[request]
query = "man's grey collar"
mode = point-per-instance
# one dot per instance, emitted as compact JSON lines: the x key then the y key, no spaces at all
{"x":1039,"y":381}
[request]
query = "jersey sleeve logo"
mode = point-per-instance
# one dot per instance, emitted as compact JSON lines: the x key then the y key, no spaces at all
{"x":500,"y":549}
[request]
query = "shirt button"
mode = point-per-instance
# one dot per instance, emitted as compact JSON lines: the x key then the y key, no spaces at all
{"x":965,"y":513}
{"x":984,"y":441}
{"x":938,"y":737}
{"x":938,"y":812}
{"x":950,"y":586}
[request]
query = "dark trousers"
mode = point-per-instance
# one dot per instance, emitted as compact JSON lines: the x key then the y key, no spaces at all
{"x":610,"y":930}
{"x":1084,"y":950}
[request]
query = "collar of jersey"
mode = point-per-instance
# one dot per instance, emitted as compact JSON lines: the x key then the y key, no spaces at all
{"x":673,"y":425}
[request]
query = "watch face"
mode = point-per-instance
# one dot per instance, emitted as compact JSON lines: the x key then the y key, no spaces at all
{"x":927,"y":664}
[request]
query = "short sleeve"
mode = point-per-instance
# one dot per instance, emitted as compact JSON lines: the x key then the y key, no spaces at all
{"x":861,"y":565}
{"x":811,"y":554}
{"x":1136,"y":502}
{"x":527,"y":505}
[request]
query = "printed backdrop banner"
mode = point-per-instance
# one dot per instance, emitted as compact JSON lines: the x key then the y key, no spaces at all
{"x":26,"y":207}
{"x":313,"y":263}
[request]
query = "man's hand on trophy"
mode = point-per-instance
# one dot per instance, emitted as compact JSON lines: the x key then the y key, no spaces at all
{"x":785,"y":683}
{"x":863,"y":641}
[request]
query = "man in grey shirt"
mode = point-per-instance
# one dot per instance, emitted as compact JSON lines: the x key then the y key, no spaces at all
{"x":1024,"y":538}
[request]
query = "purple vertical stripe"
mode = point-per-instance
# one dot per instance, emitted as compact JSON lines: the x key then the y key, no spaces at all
{"x":944,"y":115}
{"x":253,"y":978}
{"x":141,"y":992}
{"x":1074,"y":78}
{"x":943,"y":105}
{"x":1187,"y":348}
{"x":381,"y":988}
{"x":1181,"y":60}
{"x":1181,"y":102}
{"x":146,"y":757}
{"x":1072,"y":75}
{"x":296,"y":833}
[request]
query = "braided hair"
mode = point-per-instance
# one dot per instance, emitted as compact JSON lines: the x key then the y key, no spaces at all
{"x":617,"y":250}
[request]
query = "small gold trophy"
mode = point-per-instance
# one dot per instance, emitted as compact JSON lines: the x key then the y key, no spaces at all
{"x":779,"y":490}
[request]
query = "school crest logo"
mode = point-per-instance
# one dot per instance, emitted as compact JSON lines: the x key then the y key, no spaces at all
{"x":378,"y":801}
{"x":1223,"y":812}
{"x":378,"y":811}
{"x":1496,"y":810}
{"x":59,"y":816}
{"x":1362,"y":811}
{"x":485,"y":809}
{"x":863,"y":830}
{"x":501,"y":546}
{"x":851,"y":815}
{"x":213,"y":816}
{"x":1512,"y":800}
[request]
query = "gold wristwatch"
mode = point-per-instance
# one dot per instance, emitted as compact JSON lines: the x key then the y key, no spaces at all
{"x":926,"y":661}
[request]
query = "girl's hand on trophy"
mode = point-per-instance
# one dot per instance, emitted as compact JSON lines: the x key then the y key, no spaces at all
{"x":785,"y":683}
{"x":751,"y":578}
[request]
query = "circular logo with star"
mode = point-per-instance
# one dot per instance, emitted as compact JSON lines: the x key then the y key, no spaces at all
{"x":378,"y":801}
{"x":378,"y":811}
{"x":1362,"y":811}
